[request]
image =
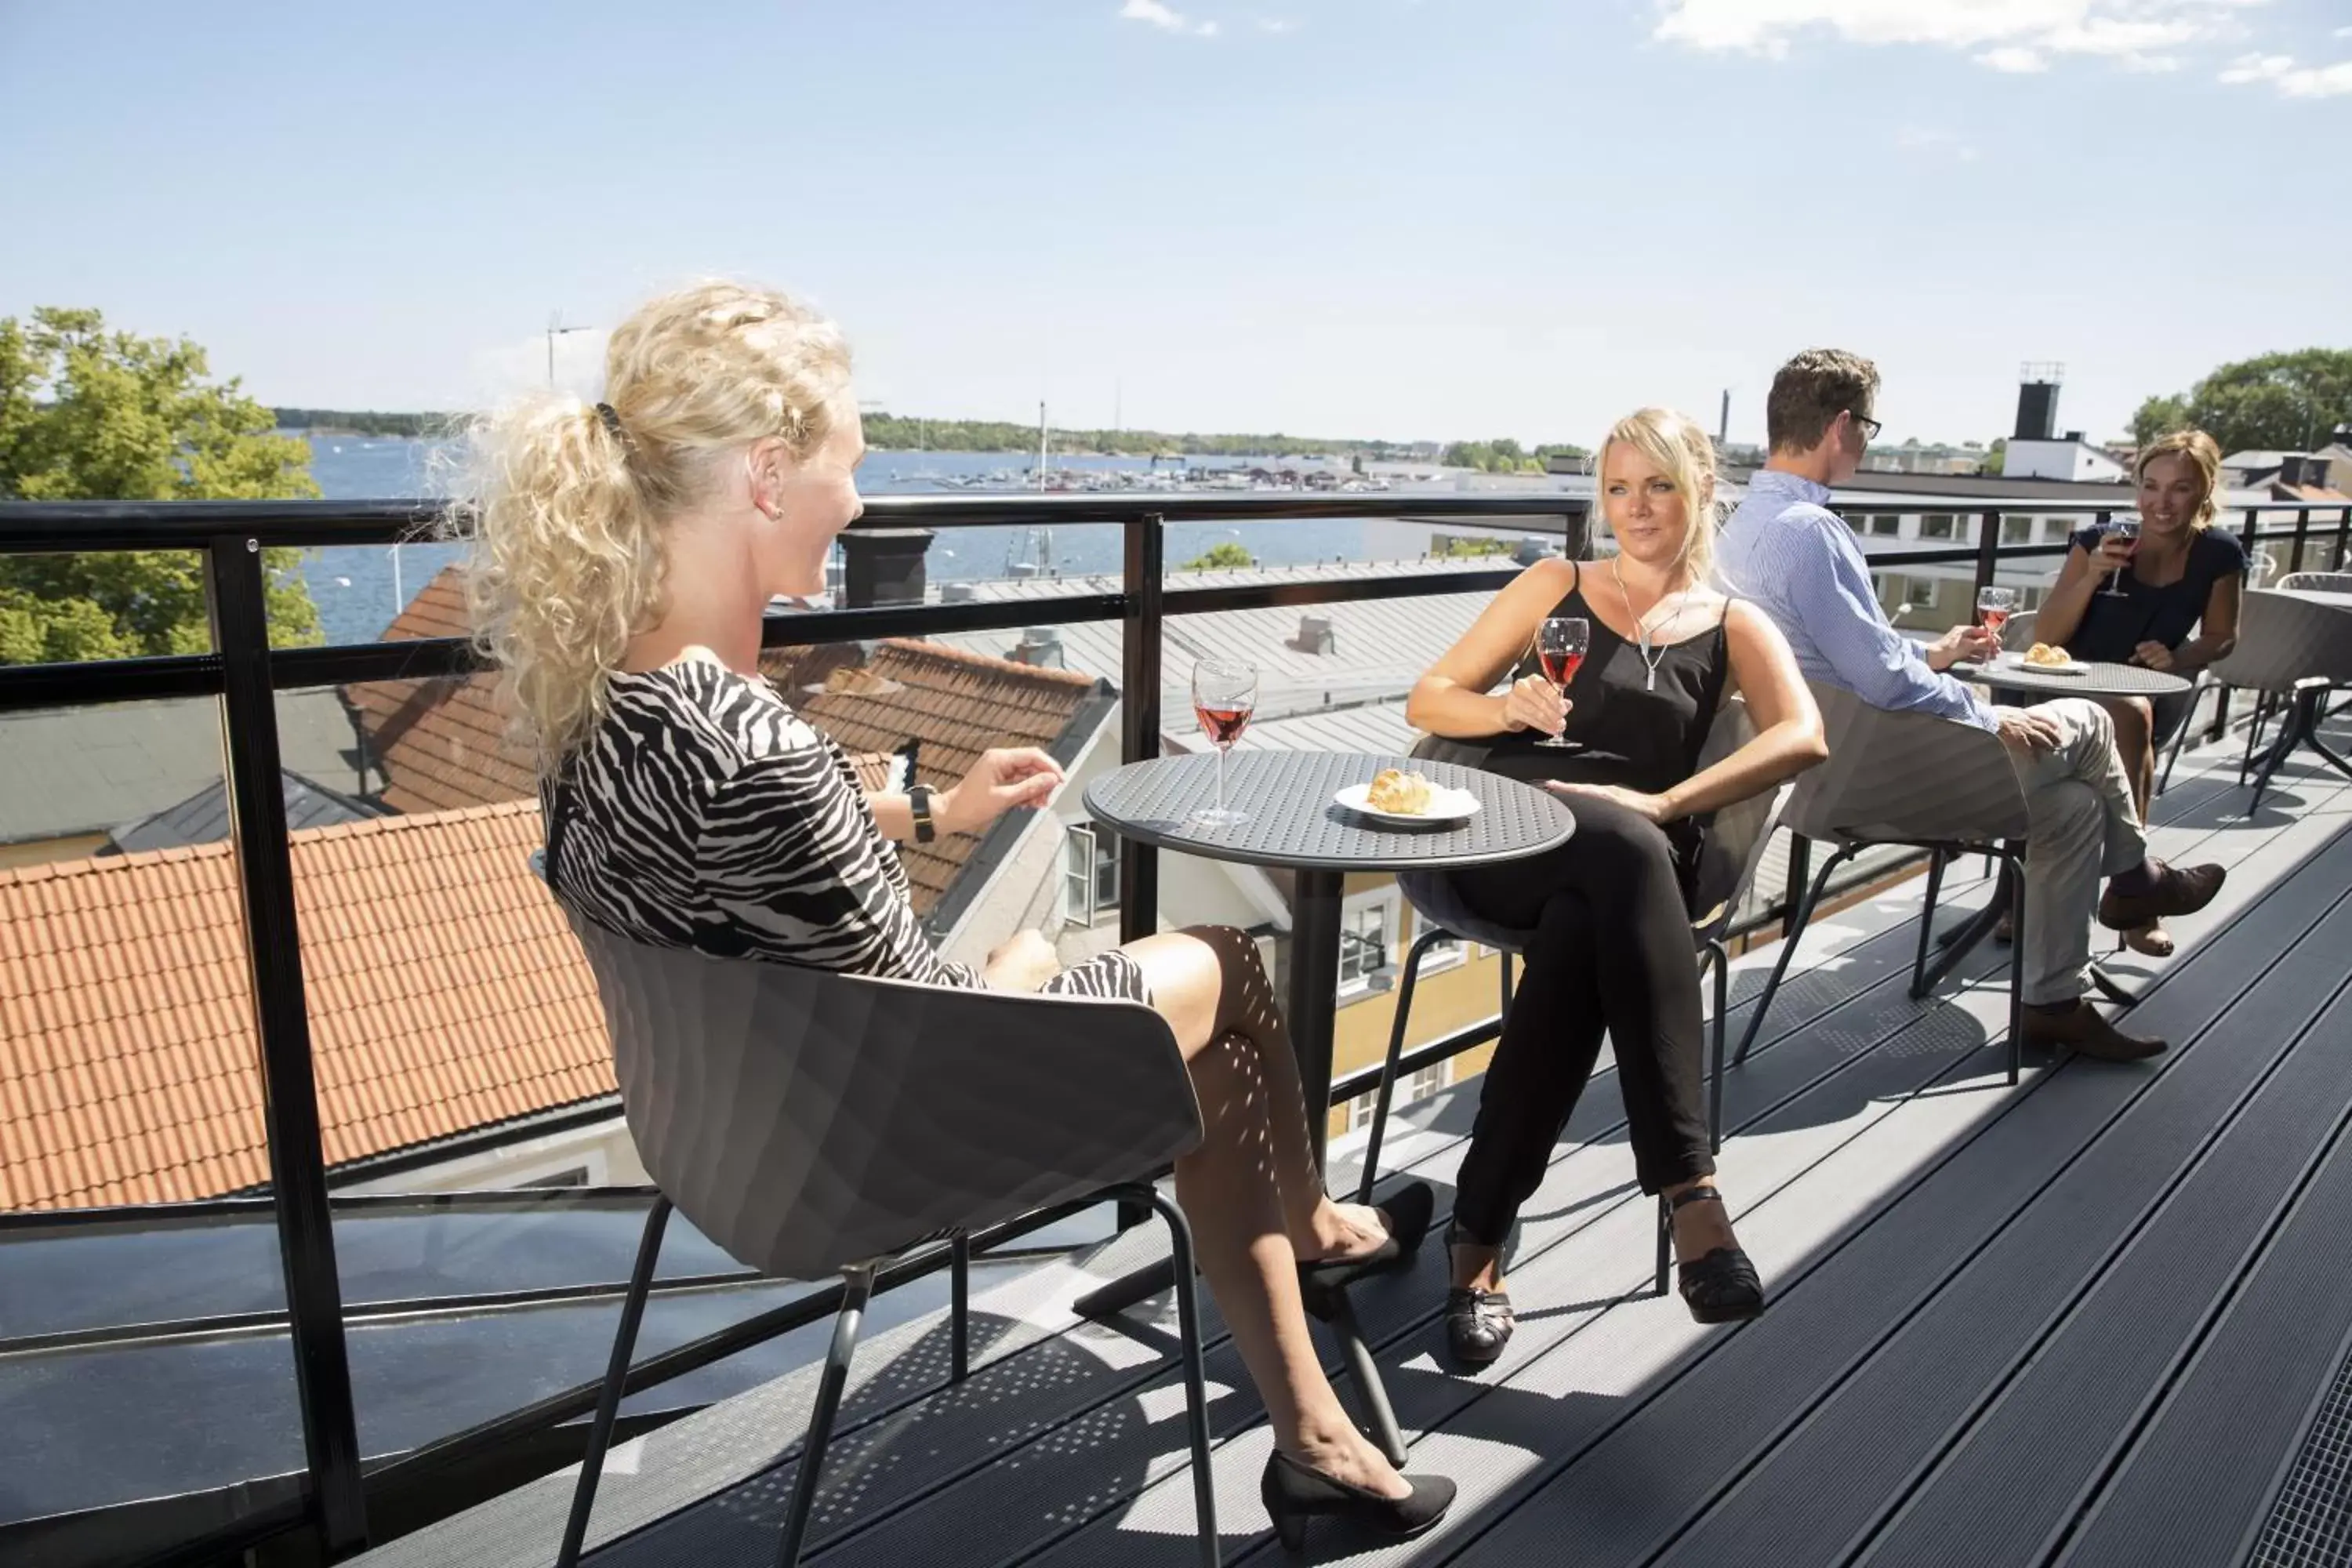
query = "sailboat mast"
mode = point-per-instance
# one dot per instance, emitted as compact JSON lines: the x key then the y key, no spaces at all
{"x":1041,"y":444}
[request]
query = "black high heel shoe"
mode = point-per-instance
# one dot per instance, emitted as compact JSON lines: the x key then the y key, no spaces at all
{"x":1721,"y":1287}
{"x":1293,"y":1494}
{"x":1410,"y":1210}
{"x":1478,"y":1324}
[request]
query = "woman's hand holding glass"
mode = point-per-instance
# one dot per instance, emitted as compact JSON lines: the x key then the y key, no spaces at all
{"x":1001,"y":781}
{"x":1535,"y":703}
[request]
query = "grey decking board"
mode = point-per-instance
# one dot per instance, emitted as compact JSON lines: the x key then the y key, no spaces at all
{"x":2040,"y":1449}
{"x":1601,"y":1122}
{"x":1750,"y":1388}
{"x":2242,"y":1396}
{"x":1782,"y":1506}
{"x":1523,"y":1278}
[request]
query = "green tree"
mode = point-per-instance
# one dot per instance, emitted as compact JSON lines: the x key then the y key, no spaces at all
{"x":88,"y":415}
{"x":2158,"y":417}
{"x":1224,"y":552}
{"x":2277,"y":402}
{"x":1996,"y":456}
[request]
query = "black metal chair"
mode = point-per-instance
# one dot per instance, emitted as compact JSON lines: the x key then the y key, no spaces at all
{"x":1733,"y":849}
{"x":2225,"y":675}
{"x":812,"y":1123}
{"x":1916,"y":780}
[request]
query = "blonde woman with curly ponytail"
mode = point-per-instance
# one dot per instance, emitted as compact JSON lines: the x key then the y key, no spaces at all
{"x":626,"y":555}
{"x":1609,"y":928}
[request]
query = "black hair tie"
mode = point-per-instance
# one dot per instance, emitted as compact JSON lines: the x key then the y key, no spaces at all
{"x":611,"y":420}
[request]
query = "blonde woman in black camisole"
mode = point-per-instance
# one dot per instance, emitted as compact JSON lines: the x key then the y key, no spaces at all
{"x":1611,"y":950}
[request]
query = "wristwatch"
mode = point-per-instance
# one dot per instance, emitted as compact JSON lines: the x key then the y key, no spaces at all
{"x":919,"y":800}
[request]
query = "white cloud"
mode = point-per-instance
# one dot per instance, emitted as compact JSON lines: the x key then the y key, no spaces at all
{"x":1154,"y":14}
{"x":2014,"y":35}
{"x":2291,"y":79}
{"x":1277,"y":24}
{"x":2014,"y":59}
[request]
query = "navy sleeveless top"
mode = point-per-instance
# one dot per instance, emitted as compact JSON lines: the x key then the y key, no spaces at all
{"x":2114,"y":628}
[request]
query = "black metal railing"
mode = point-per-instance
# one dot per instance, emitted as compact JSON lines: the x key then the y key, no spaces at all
{"x":244,"y":672}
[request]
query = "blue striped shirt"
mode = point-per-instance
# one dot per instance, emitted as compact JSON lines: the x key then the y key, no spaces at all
{"x":1788,"y":553}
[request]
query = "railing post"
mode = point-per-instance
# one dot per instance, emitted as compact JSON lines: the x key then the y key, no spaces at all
{"x":2343,"y":538}
{"x":2302,"y":528}
{"x":233,"y":588}
{"x":1987,"y":554}
{"x":1139,"y":740}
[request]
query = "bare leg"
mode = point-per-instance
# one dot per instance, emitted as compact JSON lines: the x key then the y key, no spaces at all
{"x":2136,"y":748}
{"x":1234,"y":1191}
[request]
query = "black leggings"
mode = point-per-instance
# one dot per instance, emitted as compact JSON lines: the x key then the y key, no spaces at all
{"x":1612,"y":951}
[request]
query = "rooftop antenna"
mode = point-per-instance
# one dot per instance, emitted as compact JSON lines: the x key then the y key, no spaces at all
{"x":1723,"y":423}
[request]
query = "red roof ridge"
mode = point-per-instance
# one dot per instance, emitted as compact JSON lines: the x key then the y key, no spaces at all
{"x":413,"y":821}
{"x":946,"y":655}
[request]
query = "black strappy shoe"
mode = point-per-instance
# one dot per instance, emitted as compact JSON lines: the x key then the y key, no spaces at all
{"x":1410,"y":1209}
{"x":1294,"y":1493}
{"x":1478,"y":1324}
{"x":1722,"y":1286}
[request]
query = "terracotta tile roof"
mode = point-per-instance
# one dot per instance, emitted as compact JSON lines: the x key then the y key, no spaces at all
{"x":446,"y":993}
{"x":444,"y":746}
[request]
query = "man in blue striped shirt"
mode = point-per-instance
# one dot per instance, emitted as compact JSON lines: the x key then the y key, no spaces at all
{"x":1788,"y":553}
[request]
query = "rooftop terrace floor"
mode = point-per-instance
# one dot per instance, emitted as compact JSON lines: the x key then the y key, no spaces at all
{"x":2101,"y":1317}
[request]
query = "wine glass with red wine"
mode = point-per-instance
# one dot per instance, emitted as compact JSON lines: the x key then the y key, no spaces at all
{"x":2128,"y":530}
{"x":1560,"y":643}
{"x":1224,"y":695}
{"x":1993,"y":607}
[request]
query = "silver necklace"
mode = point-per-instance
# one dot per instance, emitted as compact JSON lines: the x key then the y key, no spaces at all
{"x":1650,"y":656}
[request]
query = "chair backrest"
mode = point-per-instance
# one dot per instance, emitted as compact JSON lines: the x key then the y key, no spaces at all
{"x":2017,"y":632}
{"x":2317,"y":582}
{"x":2282,"y":639}
{"x":805,"y":1119}
{"x":1904,"y":778}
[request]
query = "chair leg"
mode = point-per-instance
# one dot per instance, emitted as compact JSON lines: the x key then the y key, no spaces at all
{"x":1804,"y":913}
{"x":858,"y":1282}
{"x":2016,"y":965}
{"x":2294,"y":725}
{"x":1380,"y":1415}
{"x":616,"y":1374}
{"x":1666,"y":1242}
{"x":1419,"y":950}
{"x":2254,"y":736}
{"x":1196,"y":1393}
{"x":1719,"y":956}
{"x":1507,"y":981}
{"x":2181,"y":736}
{"x":1927,"y":923}
{"x":959,"y":1305}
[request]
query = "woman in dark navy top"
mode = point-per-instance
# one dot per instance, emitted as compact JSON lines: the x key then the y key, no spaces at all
{"x":2179,"y":611}
{"x":1611,"y":944}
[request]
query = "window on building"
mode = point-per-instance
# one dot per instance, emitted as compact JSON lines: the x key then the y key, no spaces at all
{"x":1937,"y":525}
{"x":1090,"y":875}
{"x":1366,"y":927}
{"x":2029,"y":598}
{"x":2016,"y":531}
{"x":1887,"y":526}
{"x":1409,"y":1090}
{"x":577,"y":1177}
{"x":2054,"y":531}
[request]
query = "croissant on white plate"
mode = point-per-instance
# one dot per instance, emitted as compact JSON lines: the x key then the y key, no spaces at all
{"x":1394,"y":790}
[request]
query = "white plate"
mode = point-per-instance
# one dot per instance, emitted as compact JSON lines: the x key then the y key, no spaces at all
{"x":2017,"y":661}
{"x":1445,"y":806}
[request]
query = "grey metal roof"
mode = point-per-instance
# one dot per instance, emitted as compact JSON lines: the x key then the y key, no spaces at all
{"x":71,"y":771}
{"x":202,"y":817}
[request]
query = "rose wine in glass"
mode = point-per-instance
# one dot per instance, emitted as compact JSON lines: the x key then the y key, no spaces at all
{"x":1560,"y":643}
{"x":2128,"y":530}
{"x":1993,"y":607}
{"x":1224,"y":695}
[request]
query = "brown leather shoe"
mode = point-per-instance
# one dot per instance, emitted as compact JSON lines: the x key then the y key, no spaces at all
{"x":2084,"y":1030}
{"x":2174,"y":892}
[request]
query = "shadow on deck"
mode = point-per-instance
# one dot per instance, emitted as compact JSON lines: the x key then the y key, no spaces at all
{"x":2094,"y":1320}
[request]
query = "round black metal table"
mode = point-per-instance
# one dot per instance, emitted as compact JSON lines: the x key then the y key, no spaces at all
{"x":1296,"y":825}
{"x":2097,"y":680}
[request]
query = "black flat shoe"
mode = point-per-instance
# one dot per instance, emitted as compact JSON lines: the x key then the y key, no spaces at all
{"x":1721,"y":1287}
{"x":1478,"y":1324}
{"x":1293,"y":1494}
{"x":1408,"y":1209}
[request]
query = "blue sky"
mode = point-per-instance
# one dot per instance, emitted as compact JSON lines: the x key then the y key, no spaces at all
{"x":1370,"y":217}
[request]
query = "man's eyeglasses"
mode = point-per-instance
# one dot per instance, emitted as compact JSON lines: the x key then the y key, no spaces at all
{"x":1869,"y":428}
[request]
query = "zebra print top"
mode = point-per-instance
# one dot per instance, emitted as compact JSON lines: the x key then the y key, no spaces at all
{"x":705,"y":813}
